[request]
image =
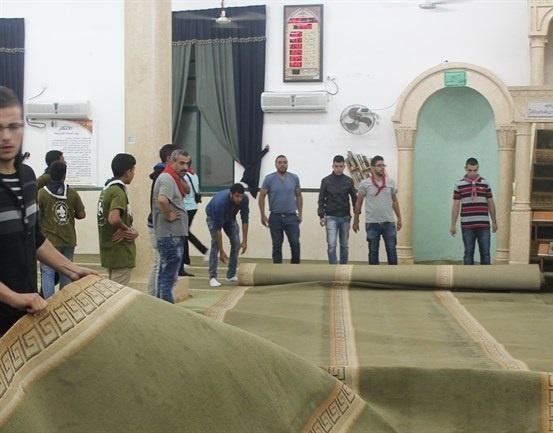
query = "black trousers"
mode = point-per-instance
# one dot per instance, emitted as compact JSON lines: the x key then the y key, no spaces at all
{"x":191,"y":239}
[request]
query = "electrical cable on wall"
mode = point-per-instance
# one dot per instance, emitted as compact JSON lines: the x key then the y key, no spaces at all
{"x":34,"y":124}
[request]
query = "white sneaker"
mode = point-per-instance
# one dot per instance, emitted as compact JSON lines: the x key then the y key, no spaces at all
{"x":206,"y":256}
{"x":233,"y":279}
{"x":214,"y":283}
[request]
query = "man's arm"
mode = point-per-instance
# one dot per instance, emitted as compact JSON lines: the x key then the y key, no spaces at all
{"x":395,"y":206}
{"x":219,"y":237}
{"x":357,"y":211}
{"x":29,"y":302}
{"x":50,"y":256}
{"x":79,"y":207}
{"x":299,"y":202}
{"x":321,"y":203}
{"x":244,"y":244}
{"x":165,"y":208}
{"x":454,"y":215}
{"x":491,"y":207}
{"x":261,"y":201}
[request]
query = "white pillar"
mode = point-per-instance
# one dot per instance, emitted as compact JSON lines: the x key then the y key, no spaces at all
{"x":147,"y":106}
{"x":521,"y":213}
{"x":537,"y":60}
{"x":405,"y":138}
{"x":506,"y":136}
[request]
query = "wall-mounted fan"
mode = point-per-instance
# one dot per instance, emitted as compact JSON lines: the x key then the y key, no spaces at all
{"x":358,"y":119}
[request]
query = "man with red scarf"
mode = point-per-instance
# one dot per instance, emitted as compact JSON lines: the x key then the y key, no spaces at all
{"x":473,"y":197}
{"x":170,"y":222}
{"x":380,"y":206}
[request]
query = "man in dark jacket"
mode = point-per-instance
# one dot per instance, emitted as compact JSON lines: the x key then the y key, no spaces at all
{"x":336,"y":192}
{"x":165,"y":157}
{"x":19,"y":227}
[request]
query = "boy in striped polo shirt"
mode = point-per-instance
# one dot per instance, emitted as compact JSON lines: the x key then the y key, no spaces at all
{"x":473,"y":196}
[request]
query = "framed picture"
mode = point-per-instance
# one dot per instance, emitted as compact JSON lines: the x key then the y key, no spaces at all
{"x":303,"y":43}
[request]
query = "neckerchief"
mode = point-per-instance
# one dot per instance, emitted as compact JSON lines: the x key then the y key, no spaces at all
{"x":180,"y":183}
{"x":472,"y":182}
{"x":379,"y":187}
{"x":56,"y":189}
{"x":120,"y":184}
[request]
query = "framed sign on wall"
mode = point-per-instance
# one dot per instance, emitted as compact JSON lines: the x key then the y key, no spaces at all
{"x":303,"y":43}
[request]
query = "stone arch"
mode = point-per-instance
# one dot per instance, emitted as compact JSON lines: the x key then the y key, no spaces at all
{"x":405,"y":121}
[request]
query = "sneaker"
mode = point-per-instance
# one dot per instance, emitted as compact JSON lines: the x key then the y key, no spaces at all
{"x":206,"y":256}
{"x":214,"y":283}
{"x":233,"y":279}
{"x":185,"y":274}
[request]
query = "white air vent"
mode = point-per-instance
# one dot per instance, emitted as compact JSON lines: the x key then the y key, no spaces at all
{"x":57,"y":110}
{"x":276,"y":102}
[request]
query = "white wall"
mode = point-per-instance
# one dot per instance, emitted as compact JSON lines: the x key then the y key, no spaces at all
{"x":75,"y":48}
{"x":375,"y":49}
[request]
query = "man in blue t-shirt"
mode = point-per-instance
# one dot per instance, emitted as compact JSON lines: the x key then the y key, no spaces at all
{"x":221,"y":216}
{"x":286,"y":207}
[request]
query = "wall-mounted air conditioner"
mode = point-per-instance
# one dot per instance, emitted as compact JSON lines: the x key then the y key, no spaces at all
{"x":280,"y":102}
{"x":57,"y":110}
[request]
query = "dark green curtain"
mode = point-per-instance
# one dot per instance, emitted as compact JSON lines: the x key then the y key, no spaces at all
{"x":215,"y":97}
{"x":230,"y":77}
{"x":12,"y":54}
{"x":181,"y":66}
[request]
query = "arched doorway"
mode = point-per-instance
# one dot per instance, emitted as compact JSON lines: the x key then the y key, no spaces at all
{"x":405,"y":119}
{"x":455,"y":123}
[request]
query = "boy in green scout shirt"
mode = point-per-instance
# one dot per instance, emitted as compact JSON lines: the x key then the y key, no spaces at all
{"x":59,"y":205}
{"x":117,"y":247}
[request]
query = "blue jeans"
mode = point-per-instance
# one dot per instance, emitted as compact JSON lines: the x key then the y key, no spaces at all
{"x":170,"y":250}
{"x":388,"y":232}
{"x":337,"y":227}
{"x":469,"y":240}
{"x":233,"y":232}
{"x":47,"y":274}
{"x":280,"y":223}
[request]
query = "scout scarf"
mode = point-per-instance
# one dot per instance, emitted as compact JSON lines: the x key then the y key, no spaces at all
{"x":57,"y":189}
{"x":180,"y":183}
{"x":379,"y":187}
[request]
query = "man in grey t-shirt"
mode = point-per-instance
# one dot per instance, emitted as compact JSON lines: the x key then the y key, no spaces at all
{"x":381,"y":194}
{"x":170,"y":222}
{"x":286,"y":206}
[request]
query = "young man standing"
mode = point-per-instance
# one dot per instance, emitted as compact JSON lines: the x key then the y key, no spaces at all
{"x":170,"y":222}
{"x":286,"y":206}
{"x":165,"y":158}
{"x":191,"y":206}
{"x":221,"y":215}
{"x":335,"y":194}
{"x":472,"y":195}
{"x":59,"y":205}
{"x":117,"y":235}
{"x":20,"y":234}
{"x":380,"y":206}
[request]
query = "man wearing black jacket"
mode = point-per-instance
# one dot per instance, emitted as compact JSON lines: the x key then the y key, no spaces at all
{"x":20,"y":234}
{"x":335,"y":194}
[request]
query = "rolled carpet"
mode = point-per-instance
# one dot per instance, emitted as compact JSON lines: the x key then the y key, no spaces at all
{"x":107,"y":358}
{"x":450,"y":277}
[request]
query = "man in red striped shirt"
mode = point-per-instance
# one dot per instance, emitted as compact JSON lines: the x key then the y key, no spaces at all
{"x":473,"y":197}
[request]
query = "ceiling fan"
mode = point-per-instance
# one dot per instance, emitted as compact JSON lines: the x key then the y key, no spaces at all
{"x":223,"y":20}
{"x":433,"y":4}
